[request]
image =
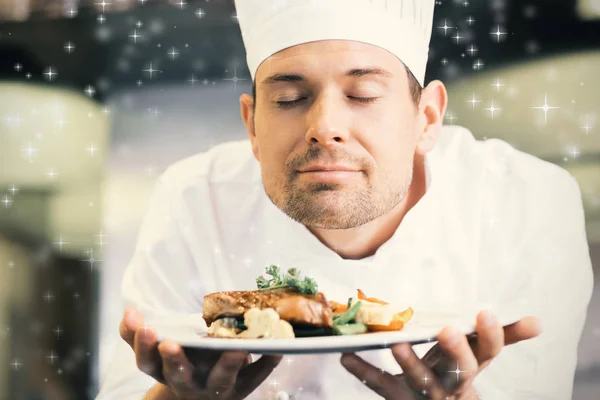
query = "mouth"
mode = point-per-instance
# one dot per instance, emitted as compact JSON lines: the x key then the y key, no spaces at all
{"x":329,"y":173}
{"x":328,"y":168}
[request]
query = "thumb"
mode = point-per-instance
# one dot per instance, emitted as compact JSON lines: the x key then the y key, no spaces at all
{"x":131,"y":322}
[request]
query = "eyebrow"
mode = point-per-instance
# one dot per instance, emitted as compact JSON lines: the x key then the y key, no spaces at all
{"x":353,"y":73}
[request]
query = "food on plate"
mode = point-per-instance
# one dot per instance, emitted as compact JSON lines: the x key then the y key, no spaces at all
{"x":287,"y":306}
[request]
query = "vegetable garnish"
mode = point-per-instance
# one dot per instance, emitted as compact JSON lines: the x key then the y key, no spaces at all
{"x":362,"y":296}
{"x":291,"y":279}
{"x":338,"y":308}
{"x":347,"y":320}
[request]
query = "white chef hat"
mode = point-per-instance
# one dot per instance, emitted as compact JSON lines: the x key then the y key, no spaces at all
{"x":402,"y":27}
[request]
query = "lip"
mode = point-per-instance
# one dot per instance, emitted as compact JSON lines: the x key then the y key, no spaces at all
{"x":327,"y":168}
{"x":328,"y":173}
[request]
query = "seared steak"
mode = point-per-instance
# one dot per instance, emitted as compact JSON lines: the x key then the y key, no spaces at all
{"x":292,"y":306}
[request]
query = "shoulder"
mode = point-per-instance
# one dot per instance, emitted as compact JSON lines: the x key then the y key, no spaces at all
{"x":527,"y":193}
{"x":500,"y":163}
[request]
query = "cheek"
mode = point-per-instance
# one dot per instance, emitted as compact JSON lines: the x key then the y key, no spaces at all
{"x":394,"y":156}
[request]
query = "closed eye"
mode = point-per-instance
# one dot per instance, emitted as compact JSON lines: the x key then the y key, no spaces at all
{"x":289,"y":104}
{"x":292,"y":103}
{"x":364,"y":100}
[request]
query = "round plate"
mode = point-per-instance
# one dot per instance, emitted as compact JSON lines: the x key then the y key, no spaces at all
{"x":190,"y":331}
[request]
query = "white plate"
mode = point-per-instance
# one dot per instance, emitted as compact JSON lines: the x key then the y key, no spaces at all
{"x":189,"y":331}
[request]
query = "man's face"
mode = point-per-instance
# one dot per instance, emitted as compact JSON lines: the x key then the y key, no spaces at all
{"x":335,"y":131}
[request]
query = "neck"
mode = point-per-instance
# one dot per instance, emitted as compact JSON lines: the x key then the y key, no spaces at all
{"x":363,"y":241}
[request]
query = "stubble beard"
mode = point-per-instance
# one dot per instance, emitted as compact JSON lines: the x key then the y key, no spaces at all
{"x":337,"y":206}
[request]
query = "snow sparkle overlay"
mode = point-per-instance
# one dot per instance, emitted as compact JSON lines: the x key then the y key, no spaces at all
{"x":457,"y":30}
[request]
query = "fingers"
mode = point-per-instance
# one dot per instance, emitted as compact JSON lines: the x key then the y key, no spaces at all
{"x":203,"y":362}
{"x":418,"y":376}
{"x":132,"y":320}
{"x":377,"y":380}
{"x":224,"y":374}
{"x":147,"y":356}
{"x":178,"y":372}
{"x":254,"y":374}
{"x":490,"y":337}
{"x":526,"y":328}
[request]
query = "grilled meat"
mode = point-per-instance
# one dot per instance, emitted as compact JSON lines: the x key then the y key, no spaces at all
{"x":291,"y":305}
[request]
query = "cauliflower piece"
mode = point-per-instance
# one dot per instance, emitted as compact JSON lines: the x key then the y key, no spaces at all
{"x":373,"y":313}
{"x":266,"y":324}
{"x":224,"y":327}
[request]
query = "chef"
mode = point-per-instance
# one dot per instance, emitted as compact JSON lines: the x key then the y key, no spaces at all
{"x":349,"y":176}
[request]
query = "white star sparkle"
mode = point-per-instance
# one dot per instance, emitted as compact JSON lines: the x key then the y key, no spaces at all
{"x":60,"y":242}
{"x":545,"y":107}
{"x":89,"y":90}
{"x":574,"y":151}
{"x":445,"y":27}
{"x":472,"y":50}
{"x":457,"y":37}
{"x":457,"y":371}
{"x":173,"y":53}
{"x":103,"y":4}
{"x":30,"y":151}
{"x":200,"y":13}
{"x":69,"y":47}
{"x":473,"y":101}
{"x":493,"y":109}
{"x":235,"y":79}
{"x":498,"y":84}
{"x":101,"y":237}
{"x":16,"y":364}
{"x":451,"y":117}
{"x":150,"y":70}
{"x":135,"y":36}
{"x":92,"y":150}
{"x":477,"y":65}
{"x":52,"y":174}
{"x":7,"y":202}
{"x":498,"y":34}
{"x":91,"y":259}
{"x":50,"y":73}
{"x":52,"y":357}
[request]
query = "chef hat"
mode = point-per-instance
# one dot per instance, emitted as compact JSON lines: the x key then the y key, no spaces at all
{"x":402,"y":27}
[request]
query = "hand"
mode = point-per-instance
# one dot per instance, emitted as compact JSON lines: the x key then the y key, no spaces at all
{"x":448,"y":369}
{"x":194,"y":374}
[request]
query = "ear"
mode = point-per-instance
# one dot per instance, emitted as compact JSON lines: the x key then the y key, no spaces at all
{"x":432,"y":107}
{"x":247,"y":112}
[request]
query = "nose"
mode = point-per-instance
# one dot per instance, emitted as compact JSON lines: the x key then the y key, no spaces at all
{"x":326,"y":122}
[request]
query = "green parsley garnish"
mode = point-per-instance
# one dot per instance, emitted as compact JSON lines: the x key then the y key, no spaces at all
{"x":291,"y":279}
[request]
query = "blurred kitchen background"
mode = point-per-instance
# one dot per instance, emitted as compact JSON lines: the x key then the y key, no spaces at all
{"x":98,"y":97}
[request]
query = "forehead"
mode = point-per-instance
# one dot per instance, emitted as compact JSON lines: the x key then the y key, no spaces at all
{"x":329,"y":57}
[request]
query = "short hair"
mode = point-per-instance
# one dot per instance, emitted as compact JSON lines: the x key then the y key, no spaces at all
{"x":414,"y":87}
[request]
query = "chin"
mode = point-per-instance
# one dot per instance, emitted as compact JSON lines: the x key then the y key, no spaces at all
{"x":327,"y":214}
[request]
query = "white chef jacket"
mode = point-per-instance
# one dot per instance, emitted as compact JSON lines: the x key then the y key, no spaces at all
{"x":496,"y":226}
